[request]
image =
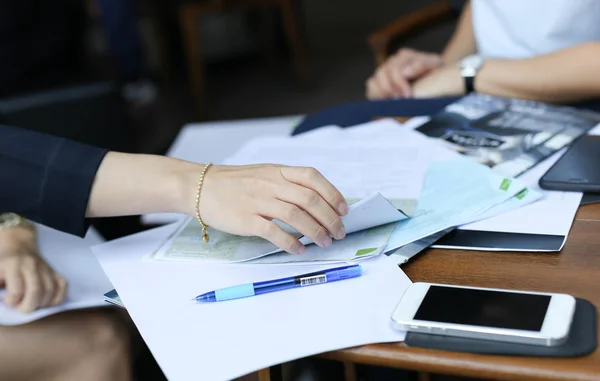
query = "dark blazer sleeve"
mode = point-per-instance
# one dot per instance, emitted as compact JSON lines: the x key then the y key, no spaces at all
{"x":47,"y":179}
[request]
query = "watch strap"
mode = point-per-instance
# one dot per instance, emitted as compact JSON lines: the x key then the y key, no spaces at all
{"x":469,"y":84}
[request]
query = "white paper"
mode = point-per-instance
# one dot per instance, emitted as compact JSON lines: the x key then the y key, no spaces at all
{"x":216,"y":141}
{"x":553,"y":215}
{"x":405,"y":253}
{"x":187,"y":245}
{"x":358,"y":166}
{"x":455,"y":191}
{"x":71,"y":257}
{"x":225,"y":340}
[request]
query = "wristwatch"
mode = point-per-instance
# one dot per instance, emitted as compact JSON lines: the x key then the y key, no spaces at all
{"x":11,"y":220}
{"x":469,"y":66}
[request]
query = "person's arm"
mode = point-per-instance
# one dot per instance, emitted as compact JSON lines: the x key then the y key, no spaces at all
{"x":395,"y":77}
{"x":241,"y":200}
{"x":46,"y":179}
{"x":564,"y":76}
{"x":462,"y":43}
{"x":59,"y":183}
{"x":568,"y":75}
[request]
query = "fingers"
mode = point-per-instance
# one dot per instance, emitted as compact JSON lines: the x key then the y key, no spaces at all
{"x":314,"y":180}
{"x":49,"y":287}
{"x":14,"y":286}
{"x":401,"y":87}
{"x":61,"y":290}
{"x":271,"y":232}
{"x":321,"y":212}
{"x":298,"y":219}
{"x":394,"y":78}
{"x":388,"y":82}
{"x":34,"y":288}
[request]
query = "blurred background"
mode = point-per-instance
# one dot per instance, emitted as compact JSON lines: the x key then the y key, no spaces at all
{"x":242,"y":49}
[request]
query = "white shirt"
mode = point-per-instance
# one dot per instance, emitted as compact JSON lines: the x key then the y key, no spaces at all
{"x":513,"y":29}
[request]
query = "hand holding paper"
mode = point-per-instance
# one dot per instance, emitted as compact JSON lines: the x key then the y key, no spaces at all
{"x":185,"y":244}
{"x":243,"y":200}
{"x":29,"y":281}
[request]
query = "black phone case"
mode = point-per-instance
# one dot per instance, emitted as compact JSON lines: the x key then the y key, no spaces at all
{"x":582,"y":339}
{"x":578,"y":170}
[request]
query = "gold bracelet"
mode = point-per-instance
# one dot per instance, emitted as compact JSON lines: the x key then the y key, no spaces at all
{"x":200,"y":184}
{"x":11,"y":220}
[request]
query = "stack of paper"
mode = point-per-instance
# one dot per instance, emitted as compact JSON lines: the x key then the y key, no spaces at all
{"x":531,"y":226}
{"x":193,"y":341}
{"x":456,"y":192}
{"x":378,"y":166}
{"x":377,"y":157}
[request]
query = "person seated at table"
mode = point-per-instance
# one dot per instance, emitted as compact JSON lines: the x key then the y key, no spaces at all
{"x":536,"y":49}
{"x":60,"y":183}
{"x":76,"y":345}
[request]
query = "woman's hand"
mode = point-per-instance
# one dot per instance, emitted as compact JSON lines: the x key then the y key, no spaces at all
{"x":244,"y":200}
{"x":29,"y":281}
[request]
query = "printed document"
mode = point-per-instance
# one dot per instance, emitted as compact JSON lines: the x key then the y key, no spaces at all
{"x":456,"y":191}
{"x":552,"y":215}
{"x":368,"y":224}
{"x":359,"y":164}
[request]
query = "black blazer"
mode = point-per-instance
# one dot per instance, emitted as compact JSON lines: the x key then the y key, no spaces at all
{"x":47,"y":179}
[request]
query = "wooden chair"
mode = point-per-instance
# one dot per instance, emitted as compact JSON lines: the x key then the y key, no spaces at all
{"x":191,"y":11}
{"x":384,"y":40}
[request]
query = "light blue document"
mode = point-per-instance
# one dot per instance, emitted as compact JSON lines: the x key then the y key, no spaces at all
{"x":456,"y":192}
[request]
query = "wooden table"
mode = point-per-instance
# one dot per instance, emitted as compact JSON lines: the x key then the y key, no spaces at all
{"x":575,"y":270}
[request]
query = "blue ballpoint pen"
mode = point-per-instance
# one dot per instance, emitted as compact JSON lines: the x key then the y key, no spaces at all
{"x":252,"y":289}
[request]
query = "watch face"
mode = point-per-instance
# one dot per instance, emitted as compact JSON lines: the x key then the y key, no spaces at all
{"x":470,"y":65}
{"x":473,"y":62}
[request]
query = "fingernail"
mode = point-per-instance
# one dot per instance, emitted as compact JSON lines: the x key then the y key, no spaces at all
{"x":341,"y":234}
{"x":301,"y":249}
{"x":343,"y":208}
{"x":327,"y":241}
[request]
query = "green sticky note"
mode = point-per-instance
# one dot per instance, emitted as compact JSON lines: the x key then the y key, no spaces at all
{"x":505,"y":184}
{"x":522,"y":194}
{"x":365,"y":251}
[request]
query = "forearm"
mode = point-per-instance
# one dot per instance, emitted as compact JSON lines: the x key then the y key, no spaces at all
{"x":565,"y":76}
{"x":127,"y":184}
{"x":462,"y":43}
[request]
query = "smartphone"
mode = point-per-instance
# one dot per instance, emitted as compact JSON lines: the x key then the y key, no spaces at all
{"x":485,"y":313}
{"x":578,"y":170}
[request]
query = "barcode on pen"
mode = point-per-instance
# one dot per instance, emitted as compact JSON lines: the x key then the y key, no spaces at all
{"x":313,"y":280}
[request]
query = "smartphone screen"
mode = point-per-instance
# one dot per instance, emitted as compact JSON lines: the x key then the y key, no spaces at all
{"x":484,"y":308}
